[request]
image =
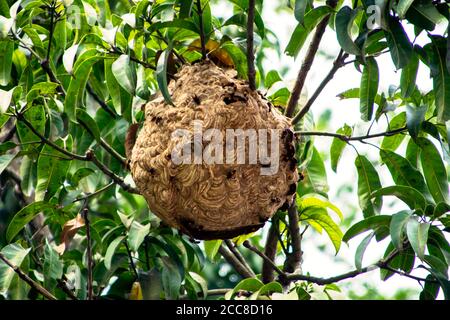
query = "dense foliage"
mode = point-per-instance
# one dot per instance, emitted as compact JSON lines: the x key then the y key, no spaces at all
{"x":73,"y":77}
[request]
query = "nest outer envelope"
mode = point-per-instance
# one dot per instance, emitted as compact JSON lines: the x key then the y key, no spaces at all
{"x":218,"y":201}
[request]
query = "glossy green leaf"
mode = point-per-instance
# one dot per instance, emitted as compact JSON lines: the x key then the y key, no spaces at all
{"x":430,"y":289}
{"x":362,"y":249}
{"x":88,"y":123}
{"x":403,"y":261}
{"x":6,"y":55}
{"x":272,"y":77}
{"x":211,"y":248}
{"x":344,"y":23}
{"x":440,"y":209}
{"x":399,"y":45}
{"x":393,"y":142}
{"x":368,"y":88}
{"x":397,"y":227}
{"x":161,"y":76}
{"x":16,"y":254}
{"x":299,"y":9}
{"x":125,"y":73}
{"x":434,"y":170}
{"x":171,"y":279}
{"x":315,"y":176}
{"x":24,"y":216}
{"x":337,"y":146}
{"x":417,"y":236}
{"x":137,"y":234}
{"x":414,"y":118}
{"x":300,"y":34}
{"x":111,"y":250}
{"x":368,"y":182}
{"x":5,"y":160}
{"x":402,"y":172}
{"x":409,"y":75}
{"x":413,"y":198}
{"x":53,"y":266}
{"x":403,"y":6}
{"x":369,"y":223}
{"x":52,"y":169}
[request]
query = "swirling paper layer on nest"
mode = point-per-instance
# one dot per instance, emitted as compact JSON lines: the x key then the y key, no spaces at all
{"x":218,"y":200}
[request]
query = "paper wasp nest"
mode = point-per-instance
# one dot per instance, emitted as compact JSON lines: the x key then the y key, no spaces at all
{"x":216,"y":200}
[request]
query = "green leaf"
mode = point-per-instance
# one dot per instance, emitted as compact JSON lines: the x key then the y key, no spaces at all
{"x":408,"y":77}
{"x":211,"y":248}
{"x":113,"y":86}
{"x":125,"y":73}
{"x":299,"y":10}
{"x":272,"y":77}
{"x":337,"y":146}
{"x":436,"y":52}
{"x":171,"y":279}
{"x":402,"y":172}
{"x":369,"y":88}
{"x":434,"y":170}
{"x":368,"y":182}
{"x":24,"y":216}
{"x":309,"y":202}
{"x":315,"y":176}
{"x":137,"y":235}
{"x":402,"y":7}
{"x":403,"y":261}
{"x":5,"y":160}
{"x":361,"y":249}
{"x":440,"y":209}
{"x":250,"y":285}
{"x":89,"y":124}
{"x":414,"y":119}
{"x":430,"y":289}
{"x":36,"y":116}
{"x":399,"y":45}
{"x":398,"y":223}
{"x":413,"y":198}
{"x":52,"y":170}
{"x":300,"y":34}
{"x":417,"y":236}
{"x":185,"y":8}
{"x":16,"y":254}
{"x":161,"y":76}
{"x":320,"y":216}
{"x":370,"y":223}
{"x":53,"y":266}
{"x":111,"y":250}
{"x":344,"y":23}
{"x":6,"y":56}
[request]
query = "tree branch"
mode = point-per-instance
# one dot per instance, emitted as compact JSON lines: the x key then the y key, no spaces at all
{"x":356,"y":138}
{"x":270,"y":251}
{"x":101,"y":103}
{"x":239,"y":256}
{"x":235,"y":263}
{"x":307,"y":63}
{"x":27,"y":279}
{"x":250,"y":50}
{"x":337,"y":64}
{"x":202,"y":34}
{"x":294,"y":258}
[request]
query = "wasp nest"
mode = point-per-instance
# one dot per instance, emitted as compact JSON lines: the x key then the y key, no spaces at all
{"x":212,"y":199}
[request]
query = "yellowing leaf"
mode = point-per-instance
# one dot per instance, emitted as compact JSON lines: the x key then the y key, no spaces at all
{"x":214,"y":52}
{"x":70,"y":228}
{"x":136,"y":292}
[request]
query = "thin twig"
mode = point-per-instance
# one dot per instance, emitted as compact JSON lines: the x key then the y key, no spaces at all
{"x":238,"y":255}
{"x":250,"y":50}
{"x":27,"y":279}
{"x":101,"y":103}
{"x":265,"y":258}
{"x":95,"y":193}
{"x":337,"y":64}
{"x":348,"y":138}
{"x":89,"y":252}
{"x":235,"y":263}
{"x":51,"y":29}
{"x":130,"y":257}
{"x":307,"y":63}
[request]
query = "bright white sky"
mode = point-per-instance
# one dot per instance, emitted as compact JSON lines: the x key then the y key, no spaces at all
{"x":343,"y":111}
